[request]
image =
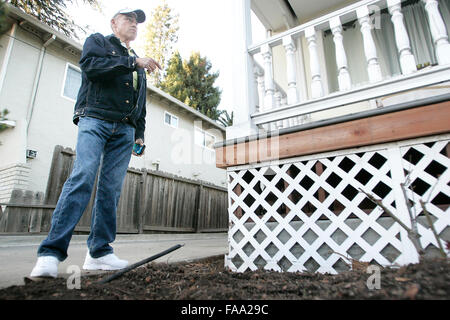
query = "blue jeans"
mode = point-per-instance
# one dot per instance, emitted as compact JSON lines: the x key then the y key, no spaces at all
{"x":103,"y":144}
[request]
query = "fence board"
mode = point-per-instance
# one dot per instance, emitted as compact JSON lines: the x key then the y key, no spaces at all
{"x":85,"y":220}
{"x":178,"y":204}
{"x":211,"y":217}
{"x":150,"y":201}
{"x":62,"y":165}
{"x":24,"y":218}
{"x":128,"y":207}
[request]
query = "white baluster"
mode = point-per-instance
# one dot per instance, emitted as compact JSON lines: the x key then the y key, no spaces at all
{"x":305,"y":118}
{"x":407,"y":60}
{"x":284,"y":103}
{"x":316,"y":84}
{"x":277,"y":97}
{"x":259,"y":77}
{"x":341,"y":58}
{"x":373,"y":67}
{"x":289,"y":46}
{"x":438,"y":31}
{"x":291,"y":122}
{"x":269,"y":102}
{"x":257,"y":98}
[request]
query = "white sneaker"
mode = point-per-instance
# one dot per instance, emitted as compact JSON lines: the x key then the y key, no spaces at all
{"x":108,"y":262}
{"x":46,"y":267}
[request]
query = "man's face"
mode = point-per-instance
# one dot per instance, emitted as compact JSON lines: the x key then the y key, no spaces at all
{"x":125,"y":27}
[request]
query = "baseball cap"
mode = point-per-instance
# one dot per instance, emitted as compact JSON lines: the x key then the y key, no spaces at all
{"x":140,"y":15}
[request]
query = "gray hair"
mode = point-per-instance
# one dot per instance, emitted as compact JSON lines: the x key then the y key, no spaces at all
{"x":125,"y":14}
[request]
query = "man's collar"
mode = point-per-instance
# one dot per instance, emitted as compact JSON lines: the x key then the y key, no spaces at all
{"x":117,"y":40}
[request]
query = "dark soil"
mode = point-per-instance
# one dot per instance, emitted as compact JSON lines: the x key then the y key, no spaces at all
{"x":209,"y":280}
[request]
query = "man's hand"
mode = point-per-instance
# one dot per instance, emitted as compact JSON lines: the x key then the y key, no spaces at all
{"x":148,"y":63}
{"x":139,"y":142}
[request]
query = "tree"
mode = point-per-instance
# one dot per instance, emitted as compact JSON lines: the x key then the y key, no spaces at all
{"x":175,"y":79}
{"x":226,"y":119}
{"x":192,"y":82}
{"x":52,"y":13}
{"x":3,"y":14}
{"x":160,"y":36}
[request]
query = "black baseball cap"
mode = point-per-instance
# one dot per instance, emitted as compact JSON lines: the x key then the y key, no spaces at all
{"x":140,"y":15}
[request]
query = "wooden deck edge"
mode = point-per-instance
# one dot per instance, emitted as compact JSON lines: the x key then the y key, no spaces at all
{"x":396,"y":126}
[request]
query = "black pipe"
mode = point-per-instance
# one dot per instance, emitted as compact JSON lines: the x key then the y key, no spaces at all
{"x":140,"y":263}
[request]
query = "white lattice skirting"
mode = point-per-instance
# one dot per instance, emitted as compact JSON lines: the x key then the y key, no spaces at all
{"x":307,"y":214}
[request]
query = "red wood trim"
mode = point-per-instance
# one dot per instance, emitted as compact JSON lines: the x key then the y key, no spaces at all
{"x":396,"y":126}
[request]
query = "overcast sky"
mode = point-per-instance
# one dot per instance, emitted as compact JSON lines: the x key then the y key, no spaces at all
{"x":205,"y":26}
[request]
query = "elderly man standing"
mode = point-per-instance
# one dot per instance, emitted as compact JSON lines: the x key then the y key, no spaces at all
{"x":110,"y":114}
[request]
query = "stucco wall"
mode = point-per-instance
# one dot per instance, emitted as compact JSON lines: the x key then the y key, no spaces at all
{"x":51,"y":120}
{"x":175,"y":149}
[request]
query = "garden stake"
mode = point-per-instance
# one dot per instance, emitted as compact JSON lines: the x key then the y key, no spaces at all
{"x":140,"y":263}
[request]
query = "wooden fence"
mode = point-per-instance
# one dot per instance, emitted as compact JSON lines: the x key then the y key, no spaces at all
{"x":151,"y":201}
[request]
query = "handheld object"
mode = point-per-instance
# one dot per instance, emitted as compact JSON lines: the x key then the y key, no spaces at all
{"x":138,"y":148}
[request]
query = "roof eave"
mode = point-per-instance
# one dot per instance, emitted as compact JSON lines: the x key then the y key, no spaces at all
{"x":19,"y":15}
{"x":185,"y":107}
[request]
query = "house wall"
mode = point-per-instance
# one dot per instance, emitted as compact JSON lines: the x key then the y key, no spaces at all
{"x":19,"y":68}
{"x":175,"y":148}
{"x":50,"y":114}
{"x":51,"y":122}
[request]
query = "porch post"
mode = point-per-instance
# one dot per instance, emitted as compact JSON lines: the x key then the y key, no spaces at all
{"x":244,"y":103}
{"x":407,"y":60}
{"x":341,"y":58}
{"x":373,"y":67}
{"x":316,"y":84}
{"x":438,"y":31}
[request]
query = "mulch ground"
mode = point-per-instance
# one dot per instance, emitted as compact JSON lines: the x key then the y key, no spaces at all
{"x":208,"y":279}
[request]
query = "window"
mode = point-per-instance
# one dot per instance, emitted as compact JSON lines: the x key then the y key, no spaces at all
{"x":72,"y":82}
{"x":204,"y":139}
{"x":170,"y":120}
{"x":199,"y":137}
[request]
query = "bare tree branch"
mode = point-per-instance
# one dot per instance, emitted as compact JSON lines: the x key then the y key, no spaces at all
{"x":412,"y":235}
{"x":430,"y":223}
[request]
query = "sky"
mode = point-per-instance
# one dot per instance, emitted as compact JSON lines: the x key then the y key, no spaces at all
{"x":205,"y":26}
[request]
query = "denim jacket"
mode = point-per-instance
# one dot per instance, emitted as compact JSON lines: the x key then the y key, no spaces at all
{"x":106,"y":90}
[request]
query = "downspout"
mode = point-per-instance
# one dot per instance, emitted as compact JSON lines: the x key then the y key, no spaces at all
{"x":37,"y":79}
{"x":12,"y":38}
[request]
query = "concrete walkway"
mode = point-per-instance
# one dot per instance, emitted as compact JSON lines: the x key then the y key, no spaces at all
{"x":18,"y":252}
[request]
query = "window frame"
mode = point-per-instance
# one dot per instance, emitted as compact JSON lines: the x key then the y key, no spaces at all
{"x":204,"y":133}
{"x":171,"y":116}
{"x":69,"y":65}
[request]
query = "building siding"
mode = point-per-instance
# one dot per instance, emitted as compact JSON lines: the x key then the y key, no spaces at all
{"x":51,"y":122}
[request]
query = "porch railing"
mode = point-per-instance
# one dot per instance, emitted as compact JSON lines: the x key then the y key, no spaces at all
{"x":280,"y":100}
{"x":272,"y":114}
